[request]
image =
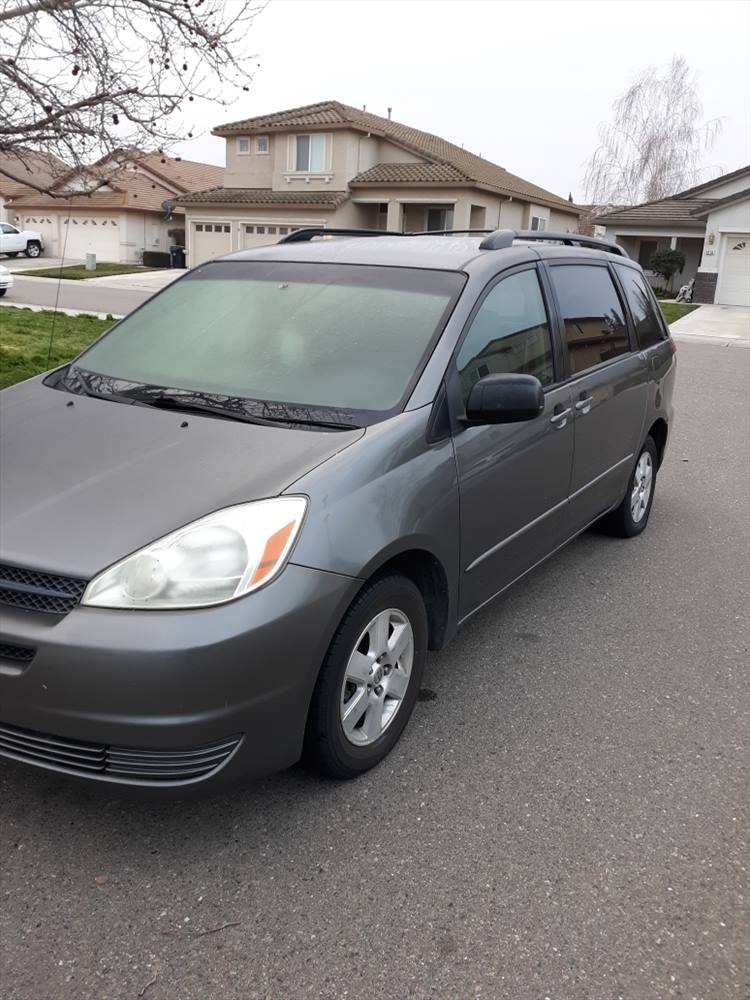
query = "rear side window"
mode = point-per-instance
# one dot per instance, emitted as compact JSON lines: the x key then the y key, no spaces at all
{"x":590,"y":307}
{"x":509,"y":334}
{"x":648,"y":327}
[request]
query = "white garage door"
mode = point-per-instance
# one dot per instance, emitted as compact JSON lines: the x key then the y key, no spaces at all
{"x":734,"y":288}
{"x":46,"y":226}
{"x":261,"y":234}
{"x":85,"y":234}
{"x":210,"y":239}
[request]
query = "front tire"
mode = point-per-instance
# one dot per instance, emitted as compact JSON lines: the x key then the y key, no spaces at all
{"x":369,"y":681}
{"x":2,"y":292}
{"x":631,"y":517}
{"x":33,"y":249}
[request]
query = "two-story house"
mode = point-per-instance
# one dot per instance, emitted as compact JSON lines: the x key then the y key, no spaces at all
{"x":329,"y":164}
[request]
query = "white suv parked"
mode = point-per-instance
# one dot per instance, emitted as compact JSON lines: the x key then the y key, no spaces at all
{"x":14,"y":241}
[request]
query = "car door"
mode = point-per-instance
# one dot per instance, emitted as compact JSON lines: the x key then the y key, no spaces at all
{"x":608,"y":382}
{"x":10,"y":239}
{"x":513,"y":478}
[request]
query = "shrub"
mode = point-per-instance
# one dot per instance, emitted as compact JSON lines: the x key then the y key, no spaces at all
{"x":667,"y":263}
{"x":155,"y":258}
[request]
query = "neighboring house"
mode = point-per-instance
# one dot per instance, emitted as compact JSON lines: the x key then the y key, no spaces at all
{"x":709,"y":223}
{"x":329,"y":164}
{"x":133,"y":211}
{"x":24,"y":166}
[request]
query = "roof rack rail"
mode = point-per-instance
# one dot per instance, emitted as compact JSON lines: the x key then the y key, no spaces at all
{"x":501,"y":239}
{"x":450,"y":232}
{"x":305,"y":235}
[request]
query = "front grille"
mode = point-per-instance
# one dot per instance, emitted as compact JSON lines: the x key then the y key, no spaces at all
{"x":18,"y":654}
{"x":157,"y":766}
{"x":34,"y":591}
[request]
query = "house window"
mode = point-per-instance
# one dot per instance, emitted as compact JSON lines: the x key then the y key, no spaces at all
{"x":283,"y":230}
{"x":309,"y":153}
{"x":261,"y":144}
{"x":260,"y":230}
{"x":272,"y":230}
{"x":248,"y":229}
{"x":538,"y":224}
{"x":227,"y":229}
{"x":646,"y":251}
{"x":199,"y":227}
{"x":243,"y":146}
{"x":439,"y":219}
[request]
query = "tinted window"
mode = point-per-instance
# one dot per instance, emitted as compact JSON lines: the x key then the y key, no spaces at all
{"x":319,"y":335}
{"x":595,"y":328}
{"x":648,"y":328}
{"x":510,"y":333}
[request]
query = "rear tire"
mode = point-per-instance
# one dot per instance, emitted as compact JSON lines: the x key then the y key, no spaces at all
{"x":631,"y":517}
{"x":365,"y":695}
{"x":2,"y":292}
{"x":33,"y":249}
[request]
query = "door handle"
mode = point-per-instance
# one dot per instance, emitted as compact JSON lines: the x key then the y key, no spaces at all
{"x":560,"y":419}
{"x":584,"y":405}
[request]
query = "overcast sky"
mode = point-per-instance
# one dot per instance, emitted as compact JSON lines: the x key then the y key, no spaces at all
{"x":522,"y":83}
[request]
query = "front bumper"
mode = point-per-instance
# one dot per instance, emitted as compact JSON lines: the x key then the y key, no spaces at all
{"x":6,"y":282}
{"x":132,"y":697}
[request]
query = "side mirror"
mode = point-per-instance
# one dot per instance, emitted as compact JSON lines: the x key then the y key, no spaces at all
{"x":504,"y":399}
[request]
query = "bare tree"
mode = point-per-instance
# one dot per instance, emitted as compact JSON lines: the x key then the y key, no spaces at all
{"x":83,"y":78}
{"x":654,"y":145}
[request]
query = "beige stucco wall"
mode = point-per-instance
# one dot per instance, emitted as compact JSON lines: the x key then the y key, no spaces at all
{"x":729,"y":219}
{"x":137,"y":231}
{"x":725,"y":188}
{"x":251,"y":170}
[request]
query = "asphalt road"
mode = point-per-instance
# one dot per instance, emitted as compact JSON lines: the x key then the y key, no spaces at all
{"x":76,"y":295}
{"x":566,"y":816}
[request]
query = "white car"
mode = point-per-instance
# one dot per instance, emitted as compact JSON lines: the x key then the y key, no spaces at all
{"x":14,"y":241}
{"x":6,"y":280}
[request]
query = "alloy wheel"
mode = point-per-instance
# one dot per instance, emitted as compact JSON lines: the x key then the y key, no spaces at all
{"x":377,"y":677}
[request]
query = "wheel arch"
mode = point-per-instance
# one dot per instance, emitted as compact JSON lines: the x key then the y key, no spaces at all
{"x":659,"y":432}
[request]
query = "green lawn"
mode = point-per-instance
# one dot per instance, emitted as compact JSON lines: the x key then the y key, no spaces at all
{"x":78,"y":272}
{"x":675,"y":310}
{"x":25,"y":341}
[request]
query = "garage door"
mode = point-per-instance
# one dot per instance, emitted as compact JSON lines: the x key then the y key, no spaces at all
{"x":260,"y":235}
{"x":46,"y":226}
{"x":734,"y":288}
{"x":84,"y":234}
{"x":210,"y":239}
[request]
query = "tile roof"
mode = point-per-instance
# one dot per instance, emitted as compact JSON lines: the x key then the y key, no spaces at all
{"x":263,"y":196}
{"x":715,"y":203}
{"x":42,"y":166}
{"x":189,"y":175}
{"x":715,"y":182}
{"x":133,"y":191}
{"x":668,"y":211}
{"x":409,"y":173}
{"x":129,"y":187}
{"x":333,"y":114}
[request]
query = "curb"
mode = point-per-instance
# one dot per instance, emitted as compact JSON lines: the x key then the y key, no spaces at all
{"x":67,"y":312}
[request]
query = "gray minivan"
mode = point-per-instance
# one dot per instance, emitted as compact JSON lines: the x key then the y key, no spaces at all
{"x":234,"y":525}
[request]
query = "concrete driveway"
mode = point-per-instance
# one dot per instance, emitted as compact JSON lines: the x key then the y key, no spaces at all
{"x":723,"y":324}
{"x":565,"y":817}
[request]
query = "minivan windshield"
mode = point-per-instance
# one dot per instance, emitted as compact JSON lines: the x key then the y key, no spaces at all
{"x":319,"y":336}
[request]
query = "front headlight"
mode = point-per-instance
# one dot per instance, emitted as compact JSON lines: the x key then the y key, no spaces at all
{"x":212,"y":560}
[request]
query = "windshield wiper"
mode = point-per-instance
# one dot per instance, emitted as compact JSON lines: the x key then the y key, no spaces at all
{"x":187,"y":405}
{"x":190,"y":405}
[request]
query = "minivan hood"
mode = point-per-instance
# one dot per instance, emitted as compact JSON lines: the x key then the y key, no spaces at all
{"x":83,"y":485}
